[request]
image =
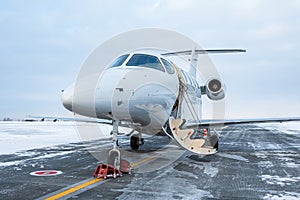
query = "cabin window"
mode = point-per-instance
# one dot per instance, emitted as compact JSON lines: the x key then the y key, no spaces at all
{"x":169,"y":67}
{"x":119,"y":61}
{"x":144,"y":60}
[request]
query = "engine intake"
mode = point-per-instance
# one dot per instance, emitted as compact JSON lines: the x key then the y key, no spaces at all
{"x":214,"y":89}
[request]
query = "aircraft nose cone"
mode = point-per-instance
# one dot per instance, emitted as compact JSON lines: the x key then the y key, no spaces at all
{"x":67,"y":98}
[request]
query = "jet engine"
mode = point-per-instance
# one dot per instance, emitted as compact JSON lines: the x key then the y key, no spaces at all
{"x":214,"y":89}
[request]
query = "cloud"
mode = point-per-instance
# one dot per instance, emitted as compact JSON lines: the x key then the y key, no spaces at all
{"x":50,"y":39}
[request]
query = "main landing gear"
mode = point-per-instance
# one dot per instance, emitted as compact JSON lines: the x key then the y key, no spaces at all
{"x":136,"y":140}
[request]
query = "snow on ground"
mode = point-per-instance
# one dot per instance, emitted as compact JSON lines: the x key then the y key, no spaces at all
{"x":286,"y":127}
{"x":234,"y":157}
{"x":17,"y":162}
{"x":283,"y":196}
{"x":282,"y":181}
{"x":19,"y":136}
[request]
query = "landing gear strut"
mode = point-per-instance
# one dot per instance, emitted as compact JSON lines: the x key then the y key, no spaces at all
{"x":114,"y":155}
{"x":114,"y":159}
{"x":136,"y":140}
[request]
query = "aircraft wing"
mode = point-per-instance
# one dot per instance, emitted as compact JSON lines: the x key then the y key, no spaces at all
{"x":87,"y":120}
{"x":205,"y":123}
{"x":191,"y":135}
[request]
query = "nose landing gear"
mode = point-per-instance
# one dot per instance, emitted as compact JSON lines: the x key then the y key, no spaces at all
{"x":114,"y":158}
{"x":114,"y":155}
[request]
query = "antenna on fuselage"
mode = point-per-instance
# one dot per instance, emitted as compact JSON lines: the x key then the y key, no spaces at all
{"x":193,"y":63}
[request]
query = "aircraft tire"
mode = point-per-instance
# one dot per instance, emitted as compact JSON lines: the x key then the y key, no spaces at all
{"x":134,"y":143}
{"x":216,"y":146}
{"x":114,"y":159}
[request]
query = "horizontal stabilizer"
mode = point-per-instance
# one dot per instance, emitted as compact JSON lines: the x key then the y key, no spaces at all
{"x":204,"y":51}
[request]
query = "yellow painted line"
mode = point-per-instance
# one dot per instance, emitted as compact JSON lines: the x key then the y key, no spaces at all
{"x":86,"y":184}
{"x":142,"y":161}
{"x":74,"y":189}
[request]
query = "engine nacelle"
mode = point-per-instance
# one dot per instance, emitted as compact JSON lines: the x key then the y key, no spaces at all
{"x":214,"y":89}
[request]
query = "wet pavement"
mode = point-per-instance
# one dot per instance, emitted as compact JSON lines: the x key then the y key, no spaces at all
{"x":252,"y":163}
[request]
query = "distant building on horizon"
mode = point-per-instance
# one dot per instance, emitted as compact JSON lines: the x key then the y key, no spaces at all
{"x":5,"y":119}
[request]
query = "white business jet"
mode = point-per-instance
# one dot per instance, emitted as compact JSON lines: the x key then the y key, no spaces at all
{"x":149,"y":93}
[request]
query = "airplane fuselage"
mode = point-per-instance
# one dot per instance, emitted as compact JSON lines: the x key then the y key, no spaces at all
{"x":141,"y":89}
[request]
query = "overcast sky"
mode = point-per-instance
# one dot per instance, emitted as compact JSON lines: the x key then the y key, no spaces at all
{"x":43,"y":43}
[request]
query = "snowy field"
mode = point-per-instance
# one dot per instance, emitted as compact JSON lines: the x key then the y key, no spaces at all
{"x":19,"y":136}
{"x":286,"y":127}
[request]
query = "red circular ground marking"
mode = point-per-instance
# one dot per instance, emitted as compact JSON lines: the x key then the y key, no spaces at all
{"x":46,"y":173}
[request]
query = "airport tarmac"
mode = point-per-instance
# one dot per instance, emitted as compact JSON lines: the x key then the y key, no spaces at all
{"x":252,"y":163}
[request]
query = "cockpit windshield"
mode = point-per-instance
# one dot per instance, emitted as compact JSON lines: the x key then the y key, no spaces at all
{"x":119,"y":61}
{"x":145,"y":60}
{"x":170,"y":69}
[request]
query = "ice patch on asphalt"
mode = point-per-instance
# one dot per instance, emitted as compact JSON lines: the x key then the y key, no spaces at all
{"x":234,"y":157}
{"x":210,"y":170}
{"x":283,"y":196}
{"x":267,"y":164}
{"x":291,"y":165}
{"x":163,"y":187}
{"x":282,"y":181}
{"x":18,"y":162}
